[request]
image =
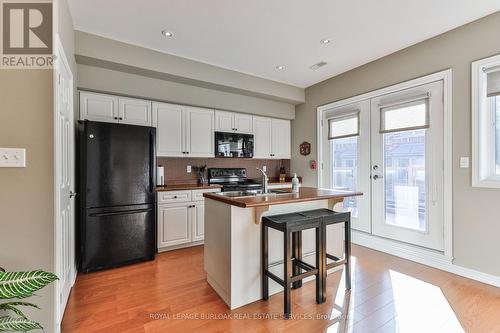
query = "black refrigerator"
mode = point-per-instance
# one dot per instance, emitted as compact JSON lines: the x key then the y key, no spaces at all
{"x":117,"y":205}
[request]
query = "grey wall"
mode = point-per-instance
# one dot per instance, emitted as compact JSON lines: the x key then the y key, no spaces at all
{"x":26,"y":194}
{"x":113,"y":81}
{"x":475,"y":210}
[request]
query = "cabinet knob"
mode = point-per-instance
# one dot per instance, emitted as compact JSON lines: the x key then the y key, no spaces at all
{"x":116,"y":118}
{"x":175,"y":197}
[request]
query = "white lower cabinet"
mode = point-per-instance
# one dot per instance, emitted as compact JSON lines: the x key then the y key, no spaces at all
{"x":175,"y":226}
{"x":181,"y":224}
{"x":199,"y":222}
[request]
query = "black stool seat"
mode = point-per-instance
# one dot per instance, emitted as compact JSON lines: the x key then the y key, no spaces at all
{"x":293,"y":224}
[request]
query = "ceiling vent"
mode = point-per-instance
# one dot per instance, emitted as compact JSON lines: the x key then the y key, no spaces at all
{"x":318,"y":65}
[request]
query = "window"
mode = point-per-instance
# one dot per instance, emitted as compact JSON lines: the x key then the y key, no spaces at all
{"x":486,"y":122}
{"x":343,"y":132}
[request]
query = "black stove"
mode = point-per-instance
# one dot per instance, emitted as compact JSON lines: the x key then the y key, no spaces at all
{"x":232,"y":179}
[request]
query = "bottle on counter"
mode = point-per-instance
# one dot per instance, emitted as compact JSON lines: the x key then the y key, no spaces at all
{"x":295,"y":184}
{"x":282,"y":175}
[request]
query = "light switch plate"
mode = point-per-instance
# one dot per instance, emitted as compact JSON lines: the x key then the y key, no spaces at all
{"x":464,"y":162}
{"x":264,"y":168}
{"x":12,"y":158}
{"x":188,"y":169}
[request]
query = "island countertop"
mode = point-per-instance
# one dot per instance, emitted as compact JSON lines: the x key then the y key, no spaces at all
{"x":305,"y":194}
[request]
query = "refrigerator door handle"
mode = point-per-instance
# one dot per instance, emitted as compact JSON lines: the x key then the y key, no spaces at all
{"x":126,"y":212}
{"x":152,"y":164}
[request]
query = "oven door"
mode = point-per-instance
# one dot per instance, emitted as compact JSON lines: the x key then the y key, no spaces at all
{"x":233,"y":145}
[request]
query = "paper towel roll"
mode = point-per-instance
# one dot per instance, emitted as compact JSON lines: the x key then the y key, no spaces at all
{"x":160,"y":176}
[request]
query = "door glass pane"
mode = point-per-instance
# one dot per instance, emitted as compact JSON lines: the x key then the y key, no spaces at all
{"x":404,"y":177}
{"x":345,"y":168}
{"x":496,"y":103}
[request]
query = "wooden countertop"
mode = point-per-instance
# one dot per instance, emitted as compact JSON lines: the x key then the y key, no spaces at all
{"x":185,"y":187}
{"x":305,"y":194}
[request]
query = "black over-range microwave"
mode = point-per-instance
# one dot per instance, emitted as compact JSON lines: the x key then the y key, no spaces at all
{"x":233,"y":145}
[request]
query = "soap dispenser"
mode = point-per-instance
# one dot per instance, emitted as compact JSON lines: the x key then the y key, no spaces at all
{"x":295,"y":184}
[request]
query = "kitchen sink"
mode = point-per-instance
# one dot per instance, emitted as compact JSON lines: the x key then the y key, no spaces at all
{"x":252,"y":193}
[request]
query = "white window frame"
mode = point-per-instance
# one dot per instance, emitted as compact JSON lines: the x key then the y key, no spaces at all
{"x":483,"y":129}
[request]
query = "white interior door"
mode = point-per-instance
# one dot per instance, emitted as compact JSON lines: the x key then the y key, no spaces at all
{"x":346,"y":137}
{"x":64,"y":170}
{"x":407,"y":165}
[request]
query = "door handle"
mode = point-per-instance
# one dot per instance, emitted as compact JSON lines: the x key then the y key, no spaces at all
{"x":377,"y":177}
{"x":72,"y":194}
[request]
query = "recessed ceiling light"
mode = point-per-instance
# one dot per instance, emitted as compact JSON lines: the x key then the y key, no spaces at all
{"x":325,"y":41}
{"x":280,"y":67}
{"x":167,"y":33}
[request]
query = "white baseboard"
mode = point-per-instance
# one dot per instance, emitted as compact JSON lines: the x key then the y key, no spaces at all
{"x":421,"y":255}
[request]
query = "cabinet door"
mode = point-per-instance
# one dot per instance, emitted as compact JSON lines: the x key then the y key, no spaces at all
{"x":199,"y":132}
{"x":224,"y":121}
{"x":170,"y":129}
{"x":174,"y":225}
{"x":98,"y":107}
{"x":198,"y":222}
{"x":262,"y":137}
{"x":135,"y":112}
{"x":243,"y":123}
{"x":281,"y":138}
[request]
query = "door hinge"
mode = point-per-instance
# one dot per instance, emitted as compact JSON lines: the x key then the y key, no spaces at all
{"x":321,"y":122}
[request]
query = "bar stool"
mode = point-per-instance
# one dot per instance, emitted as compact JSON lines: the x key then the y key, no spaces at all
{"x":329,"y":217}
{"x":293,"y":224}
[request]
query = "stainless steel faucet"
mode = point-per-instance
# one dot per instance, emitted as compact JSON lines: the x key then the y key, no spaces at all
{"x":265,"y":181}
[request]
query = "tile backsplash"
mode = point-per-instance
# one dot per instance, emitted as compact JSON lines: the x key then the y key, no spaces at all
{"x":175,"y":168}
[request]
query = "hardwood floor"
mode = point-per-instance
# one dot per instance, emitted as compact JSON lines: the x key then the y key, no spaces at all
{"x":389,"y":294}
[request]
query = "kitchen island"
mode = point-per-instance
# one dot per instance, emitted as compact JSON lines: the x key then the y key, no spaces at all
{"x":232,"y":255}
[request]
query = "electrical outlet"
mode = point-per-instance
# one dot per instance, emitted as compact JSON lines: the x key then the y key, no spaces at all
{"x":12,"y":157}
{"x":264,"y":168}
{"x":188,"y":169}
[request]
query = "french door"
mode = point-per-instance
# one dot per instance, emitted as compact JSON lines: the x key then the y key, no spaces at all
{"x":390,"y":148}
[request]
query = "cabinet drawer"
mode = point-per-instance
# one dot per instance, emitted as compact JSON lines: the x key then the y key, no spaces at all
{"x":197,"y":195}
{"x":174,"y":196}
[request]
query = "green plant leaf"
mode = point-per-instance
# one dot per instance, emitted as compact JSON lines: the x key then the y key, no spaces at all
{"x":18,"y":324}
{"x":11,"y":306}
{"x":23,"y":284}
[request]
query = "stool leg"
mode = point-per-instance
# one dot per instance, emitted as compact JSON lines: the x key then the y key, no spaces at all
{"x":297,"y":255}
{"x":347,"y":251}
{"x":320,"y":265}
{"x":287,"y":270}
{"x":265,"y":263}
{"x":323,"y":260}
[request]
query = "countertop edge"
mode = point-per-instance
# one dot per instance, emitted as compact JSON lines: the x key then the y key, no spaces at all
{"x":285,"y":200}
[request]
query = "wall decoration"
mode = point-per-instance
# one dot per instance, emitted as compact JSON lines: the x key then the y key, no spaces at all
{"x":305,"y":148}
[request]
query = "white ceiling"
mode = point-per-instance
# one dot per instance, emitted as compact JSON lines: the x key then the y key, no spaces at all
{"x":255,"y":36}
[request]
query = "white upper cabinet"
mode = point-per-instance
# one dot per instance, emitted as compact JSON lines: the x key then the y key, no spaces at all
{"x":281,"y":139}
{"x":199,"y":132}
{"x":262,"y":137}
{"x":135,"y":111}
{"x":224,"y":121}
{"x":113,"y":109}
{"x":272,"y":138}
{"x":184,"y":131}
{"x":170,"y":129}
{"x":233,"y":122}
{"x":98,"y":107}
{"x":243,"y":123}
